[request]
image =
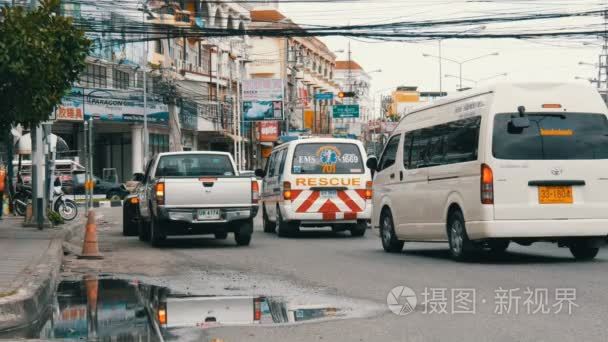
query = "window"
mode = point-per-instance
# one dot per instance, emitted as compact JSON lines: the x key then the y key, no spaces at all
{"x":454,"y":142}
{"x":390,"y":153}
{"x":552,"y":136}
{"x":328,"y":158}
{"x":159,"y":143}
{"x":95,"y":76}
{"x":282,"y":162}
{"x":121,"y":79}
{"x":279,"y":163}
{"x":194,"y":165}
{"x":158,"y":47}
{"x":272,"y":164}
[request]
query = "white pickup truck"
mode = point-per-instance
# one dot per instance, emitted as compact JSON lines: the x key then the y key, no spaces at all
{"x":195,"y":193}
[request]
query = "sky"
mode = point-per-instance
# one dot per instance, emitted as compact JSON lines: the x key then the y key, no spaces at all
{"x":555,"y":60}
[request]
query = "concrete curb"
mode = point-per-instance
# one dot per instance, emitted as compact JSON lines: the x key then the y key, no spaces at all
{"x":38,"y":285}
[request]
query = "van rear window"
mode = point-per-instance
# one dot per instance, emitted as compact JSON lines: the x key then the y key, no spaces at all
{"x":317,"y":158}
{"x":551,"y":136}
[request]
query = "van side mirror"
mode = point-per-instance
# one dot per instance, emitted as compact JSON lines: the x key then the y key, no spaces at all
{"x":260,"y":173}
{"x":372,"y":163}
{"x":138,"y":177}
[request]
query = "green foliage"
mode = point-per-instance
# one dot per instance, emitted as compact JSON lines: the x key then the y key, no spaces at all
{"x":41,"y":55}
{"x":55,"y":218}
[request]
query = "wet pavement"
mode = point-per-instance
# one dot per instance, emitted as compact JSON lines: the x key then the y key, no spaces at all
{"x":109,"y":309}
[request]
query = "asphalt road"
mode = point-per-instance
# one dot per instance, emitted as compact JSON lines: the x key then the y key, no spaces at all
{"x":320,"y":266}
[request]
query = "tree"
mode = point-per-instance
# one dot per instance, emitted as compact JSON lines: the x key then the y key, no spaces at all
{"x":41,"y":55}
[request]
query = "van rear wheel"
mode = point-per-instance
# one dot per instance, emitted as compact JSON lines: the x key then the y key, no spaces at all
{"x":285,"y":229}
{"x":269,"y":227}
{"x":461,"y":248}
{"x":583,"y":251}
{"x":390,"y":243}
{"x":358,"y":229}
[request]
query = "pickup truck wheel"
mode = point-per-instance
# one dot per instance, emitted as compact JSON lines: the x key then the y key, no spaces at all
{"x":243,"y":235}
{"x":358,"y":229}
{"x":285,"y":229}
{"x":129,"y":228}
{"x":144,"y":230}
{"x":269,"y":227}
{"x":156,"y":236}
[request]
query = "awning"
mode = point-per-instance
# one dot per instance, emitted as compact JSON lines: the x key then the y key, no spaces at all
{"x":24,"y":144}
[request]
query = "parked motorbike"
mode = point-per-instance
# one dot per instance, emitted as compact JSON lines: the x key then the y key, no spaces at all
{"x":22,"y":197}
{"x":67,"y":208}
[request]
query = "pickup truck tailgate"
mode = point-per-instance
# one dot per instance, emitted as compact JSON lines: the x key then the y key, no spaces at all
{"x":212,"y":192}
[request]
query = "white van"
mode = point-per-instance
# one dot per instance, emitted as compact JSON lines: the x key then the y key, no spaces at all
{"x":512,"y":162}
{"x":317,"y":182}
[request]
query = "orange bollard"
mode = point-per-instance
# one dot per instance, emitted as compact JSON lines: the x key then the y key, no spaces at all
{"x":90,"y":248}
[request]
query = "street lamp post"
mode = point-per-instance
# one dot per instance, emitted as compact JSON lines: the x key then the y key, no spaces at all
{"x":461,"y":62}
{"x":504,"y":74}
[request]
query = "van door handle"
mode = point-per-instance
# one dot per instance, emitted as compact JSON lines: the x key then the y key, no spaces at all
{"x":401,"y":175}
{"x":392,"y":176}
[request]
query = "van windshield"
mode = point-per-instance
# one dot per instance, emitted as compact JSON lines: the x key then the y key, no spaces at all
{"x":551,"y":136}
{"x":194,"y":165}
{"x":328,"y":158}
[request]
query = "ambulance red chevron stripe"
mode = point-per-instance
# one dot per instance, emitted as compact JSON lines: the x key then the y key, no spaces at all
{"x":345,"y":205}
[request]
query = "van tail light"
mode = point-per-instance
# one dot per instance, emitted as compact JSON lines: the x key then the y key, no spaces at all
{"x":255,"y":192}
{"x":369,"y":192}
{"x":134,"y":200}
{"x":286,"y":191}
{"x":257,"y":308}
{"x":160,"y":193}
{"x":162,"y":314}
{"x":487,"y":185}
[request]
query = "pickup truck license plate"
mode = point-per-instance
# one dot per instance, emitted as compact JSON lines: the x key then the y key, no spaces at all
{"x":208,"y":214}
{"x":555,"y":195}
{"x":329,"y":194}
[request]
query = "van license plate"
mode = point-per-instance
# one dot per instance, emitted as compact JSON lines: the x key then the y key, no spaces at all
{"x":329,"y":194}
{"x":208,"y":214}
{"x":555,"y":195}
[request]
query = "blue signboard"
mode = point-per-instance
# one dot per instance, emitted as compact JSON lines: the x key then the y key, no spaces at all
{"x":324,"y":96}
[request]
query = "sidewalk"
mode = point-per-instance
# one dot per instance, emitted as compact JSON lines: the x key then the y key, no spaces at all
{"x":30,"y":261}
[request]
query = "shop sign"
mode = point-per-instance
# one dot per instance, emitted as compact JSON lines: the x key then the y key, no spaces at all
{"x":107,"y":105}
{"x":263,"y":99}
{"x":71,"y":107}
{"x":269,"y":131}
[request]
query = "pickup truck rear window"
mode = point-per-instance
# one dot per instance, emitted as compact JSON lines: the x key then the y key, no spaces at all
{"x":194,"y":165}
{"x":328,"y":158}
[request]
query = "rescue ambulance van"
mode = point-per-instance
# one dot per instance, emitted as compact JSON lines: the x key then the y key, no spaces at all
{"x":317,"y":182}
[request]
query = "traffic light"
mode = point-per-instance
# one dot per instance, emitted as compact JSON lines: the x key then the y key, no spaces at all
{"x":344,"y":94}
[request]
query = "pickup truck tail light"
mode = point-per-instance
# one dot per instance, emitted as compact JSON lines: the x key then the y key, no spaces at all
{"x":160,"y":193}
{"x":487,"y":185}
{"x":255,"y":192}
{"x":162,"y":314}
{"x":257,"y":308}
{"x":369,"y":192}
{"x":286,"y":191}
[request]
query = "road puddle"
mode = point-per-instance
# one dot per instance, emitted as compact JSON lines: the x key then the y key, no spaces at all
{"x":107,"y":309}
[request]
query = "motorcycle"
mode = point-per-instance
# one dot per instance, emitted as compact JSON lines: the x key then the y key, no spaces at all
{"x":22,"y":197}
{"x":67,"y":208}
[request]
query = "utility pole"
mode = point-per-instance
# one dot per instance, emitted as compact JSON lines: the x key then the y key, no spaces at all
{"x":287,"y":81}
{"x":145,"y":62}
